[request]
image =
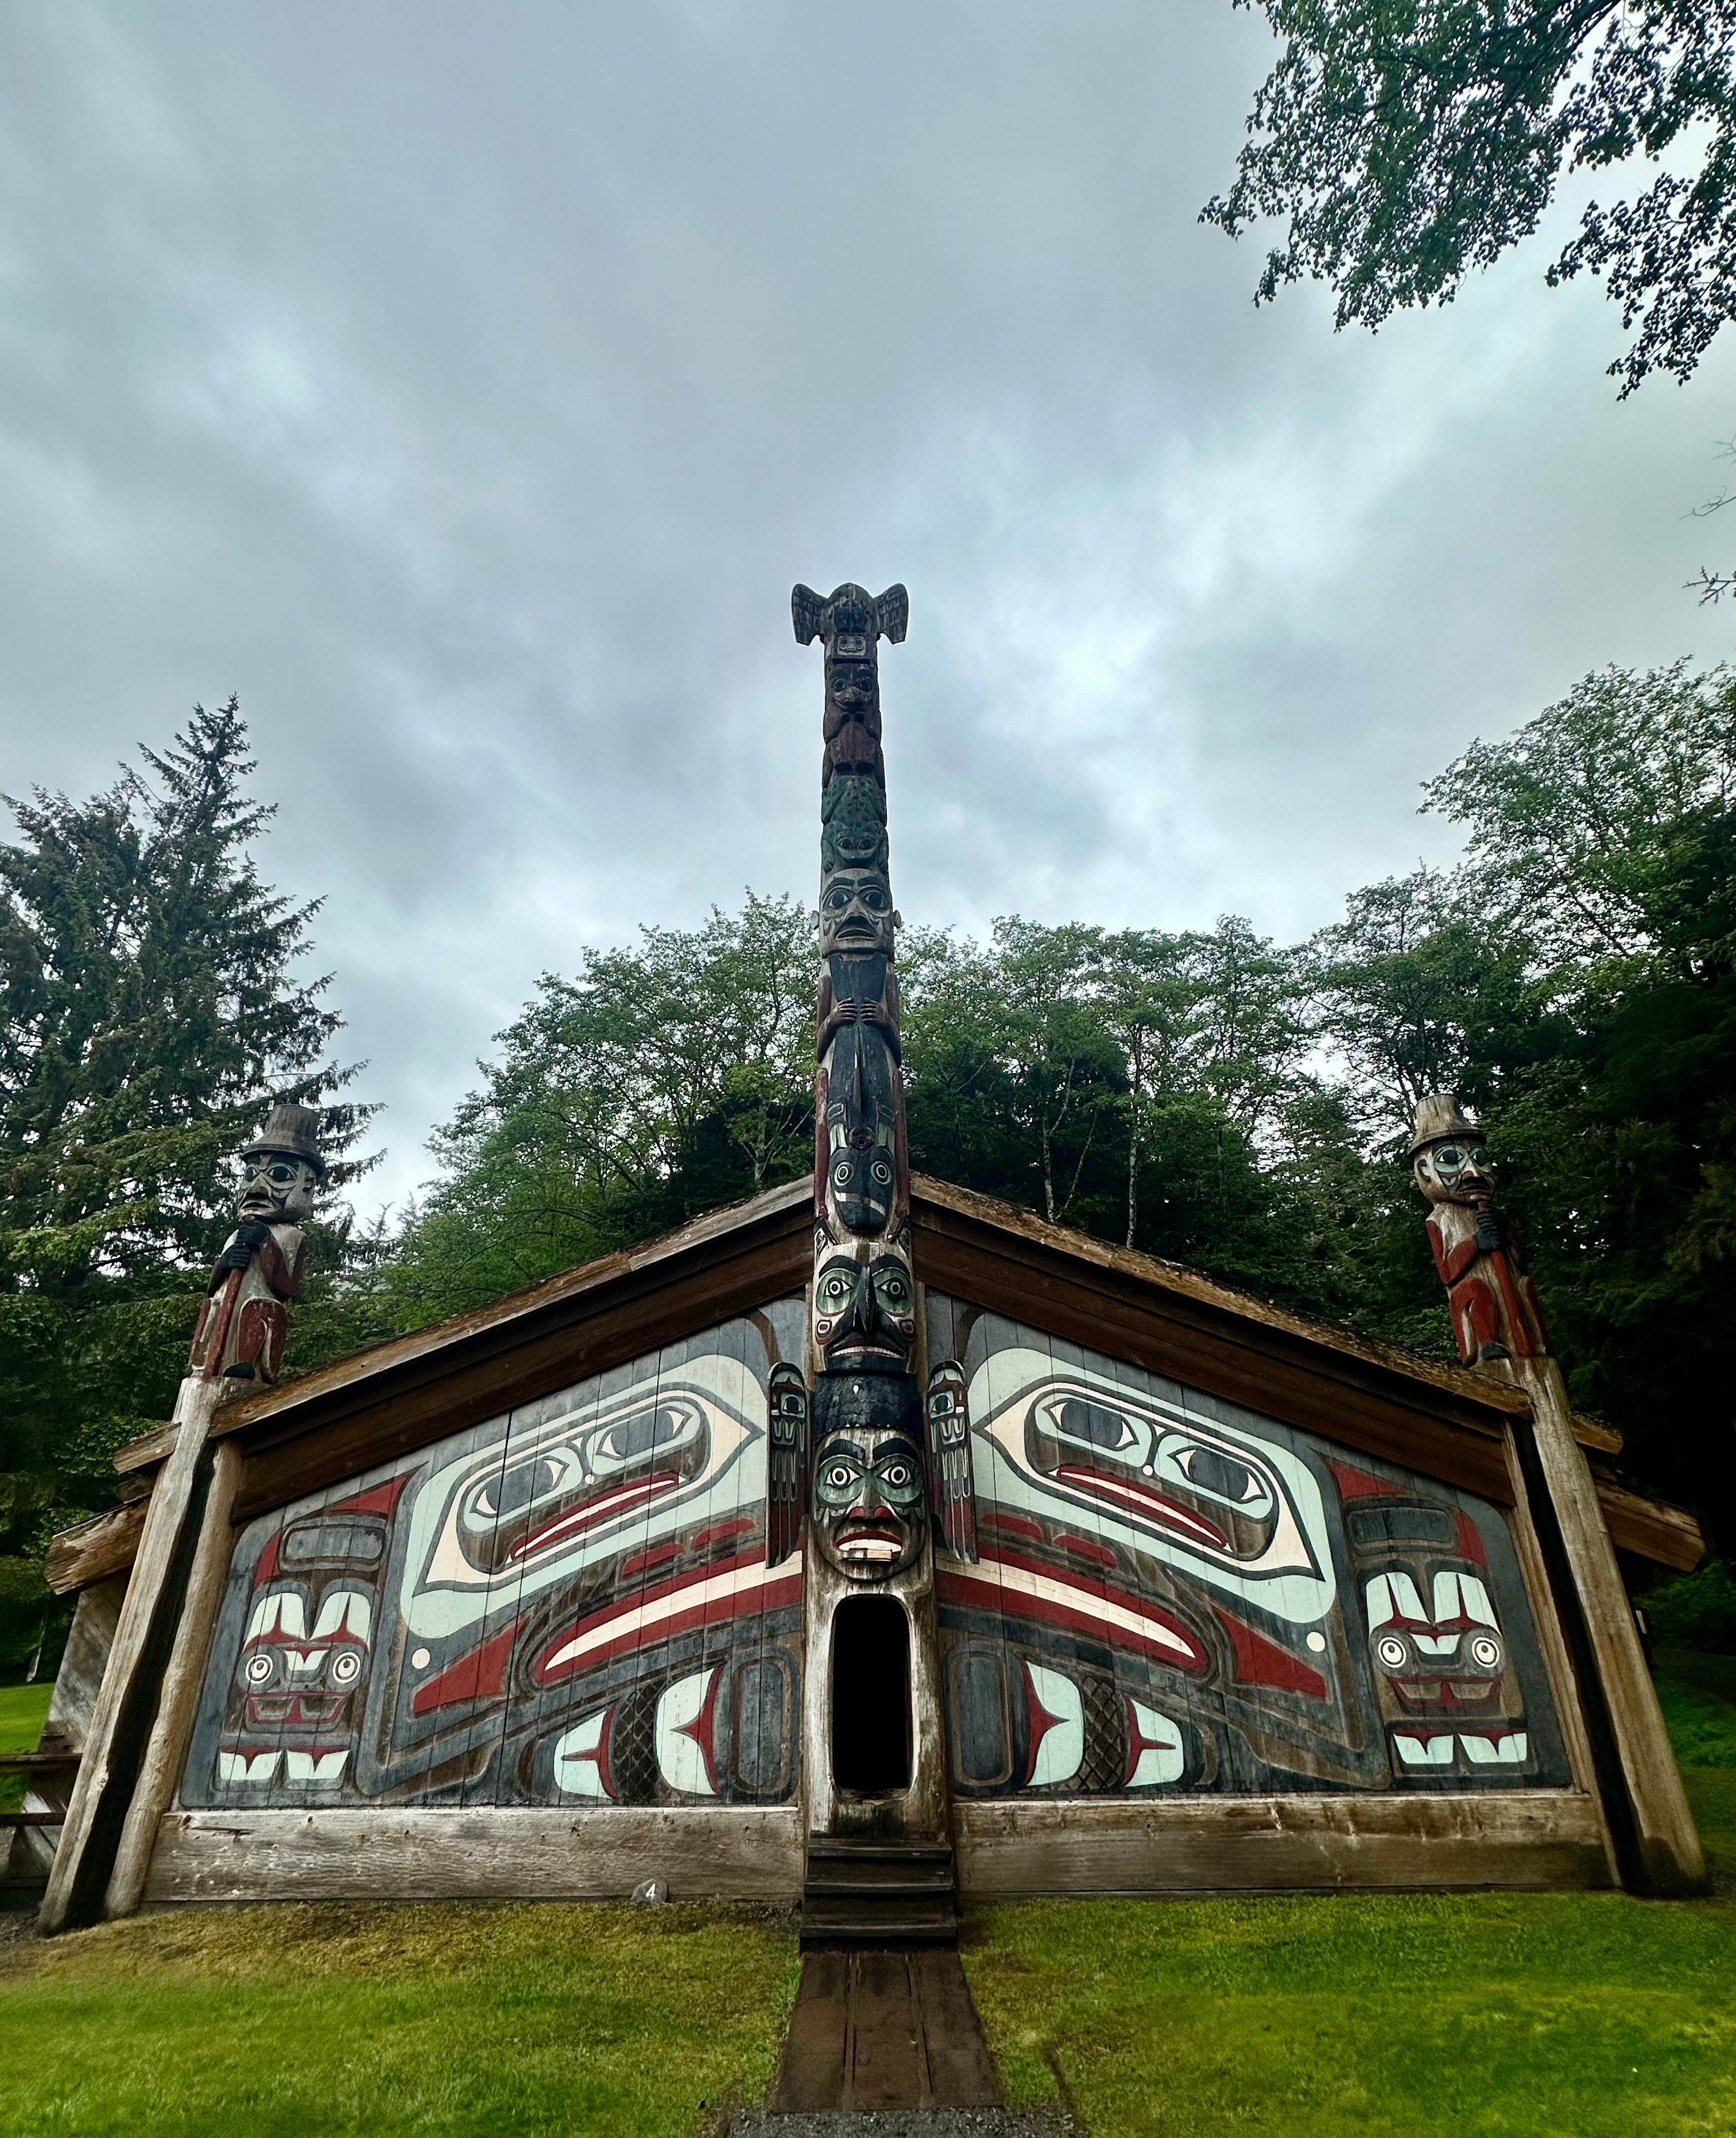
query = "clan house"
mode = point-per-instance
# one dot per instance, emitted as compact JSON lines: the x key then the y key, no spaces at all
{"x":868,"y":1543}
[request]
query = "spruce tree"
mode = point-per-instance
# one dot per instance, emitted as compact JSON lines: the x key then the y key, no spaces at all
{"x":150,"y":1010}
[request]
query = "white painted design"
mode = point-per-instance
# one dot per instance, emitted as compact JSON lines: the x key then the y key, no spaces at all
{"x":327,"y":1767}
{"x":281,"y":1611}
{"x":634,"y":1624}
{"x":996,"y":1575}
{"x":570,"y":1457}
{"x":681,"y":1759}
{"x":344,"y":1613}
{"x":1317,"y":1642}
{"x":1290,"y":1574}
{"x":251,"y":1769}
{"x":1160,"y":1750}
{"x":1424,"y":1751}
{"x":1060,"y":1748}
{"x":1510,"y":1749}
{"x":578,"y":1758}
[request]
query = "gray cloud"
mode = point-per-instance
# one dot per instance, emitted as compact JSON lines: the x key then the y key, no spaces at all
{"x":466,"y":389}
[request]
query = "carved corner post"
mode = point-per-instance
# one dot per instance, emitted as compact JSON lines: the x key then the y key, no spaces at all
{"x":1499,"y":1329}
{"x":150,"y":1685}
{"x":868,"y":1463}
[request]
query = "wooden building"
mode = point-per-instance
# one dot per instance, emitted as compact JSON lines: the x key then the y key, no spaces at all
{"x":865,"y":1537}
{"x":487,"y":1611}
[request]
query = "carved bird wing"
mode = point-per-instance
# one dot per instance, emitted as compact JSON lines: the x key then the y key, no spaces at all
{"x":892,"y":612}
{"x":950,"y":1473}
{"x":785,"y":1462}
{"x":807,"y":612}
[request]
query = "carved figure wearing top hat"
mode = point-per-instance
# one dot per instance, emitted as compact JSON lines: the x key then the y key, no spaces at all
{"x":246,"y":1316}
{"x":1494,"y":1310}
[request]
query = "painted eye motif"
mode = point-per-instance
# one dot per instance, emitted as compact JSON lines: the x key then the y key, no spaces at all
{"x":1485,"y":1652}
{"x":346,"y":1667}
{"x":882,"y":1173}
{"x":1095,"y":1423}
{"x":260,"y":1667}
{"x":1391,"y":1652}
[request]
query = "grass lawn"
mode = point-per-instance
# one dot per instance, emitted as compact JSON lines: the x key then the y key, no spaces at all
{"x":278,"y":2022}
{"x":23,"y":1709}
{"x":1548,"y":2015}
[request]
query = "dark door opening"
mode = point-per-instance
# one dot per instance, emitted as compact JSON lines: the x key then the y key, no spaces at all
{"x":870,"y":1695}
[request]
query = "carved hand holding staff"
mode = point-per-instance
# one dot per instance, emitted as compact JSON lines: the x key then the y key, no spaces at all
{"x":246,"y":1316}
{"x":1494,"y":1310}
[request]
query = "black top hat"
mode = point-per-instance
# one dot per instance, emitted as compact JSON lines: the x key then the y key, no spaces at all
{"x":292,"y":1131}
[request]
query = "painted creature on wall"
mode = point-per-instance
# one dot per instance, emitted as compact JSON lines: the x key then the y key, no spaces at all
{"x":1175,"y":1593}
{"x":246,"y":1316}
{"x":1494,"y":1306}
{"x":578,"y":1603}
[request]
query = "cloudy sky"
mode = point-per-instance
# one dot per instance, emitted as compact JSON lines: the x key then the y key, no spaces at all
{"x":465,"y":385}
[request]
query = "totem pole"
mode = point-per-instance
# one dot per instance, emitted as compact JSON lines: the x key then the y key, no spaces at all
{"x":1500,"y":1328}
{"x":869,"y":1456}
{"x":246,"y":1316}
{"x":137,"y":1735}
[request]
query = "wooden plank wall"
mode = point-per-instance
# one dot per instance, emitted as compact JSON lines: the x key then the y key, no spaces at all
{"x":525,"y":1614}
{"x":1101,"y":1648}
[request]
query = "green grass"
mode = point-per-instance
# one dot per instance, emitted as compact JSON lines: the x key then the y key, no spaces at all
{"x":22,"y":1708}
{"x":1548,"y":2015}
{"x":280,"y":2021}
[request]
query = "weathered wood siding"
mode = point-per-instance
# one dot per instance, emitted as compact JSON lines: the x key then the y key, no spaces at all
{"x":568,"y":1604}
{"x":1178,"y":1596}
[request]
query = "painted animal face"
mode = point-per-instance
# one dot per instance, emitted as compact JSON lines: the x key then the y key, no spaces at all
{"x":856,"y":913}
{"x":281,"y":1190}
{"x":862,"y":1176}
{"x":297,"y":1677}
{"x":1456,"y":1171}
{"x":1244,"y":1514}
{"x":868,"y":1502}
{"x":864,"y":1312}
{"x":568,"y":1492}
{"x":1447,"y":1659}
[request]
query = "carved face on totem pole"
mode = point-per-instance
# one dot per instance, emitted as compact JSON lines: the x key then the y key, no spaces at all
{"x":280,"y":1191}
{"x":1457,"y":1171}
{"x":868,"y":1496}
{"x":864,"y":1315}
{"x":856,"y":914}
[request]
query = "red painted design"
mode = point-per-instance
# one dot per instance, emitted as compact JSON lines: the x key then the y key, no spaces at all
{"x":1470,"y":1543}
{"x":1079,"y":1610}
{"x":660,"y":1554}
{"x":1262,"y":1662}
{"x":1143,"y":1499}
{"x":761,"y":1596}
{"x":720,"y":1532}
{"x":1013,"y":1525}
{"x":480,"y":1675}
{"x":1079,"y":1547}
{"x":1041,"y":1722}
{"x":382,"y":1499}
{"x":1359,"y":1485}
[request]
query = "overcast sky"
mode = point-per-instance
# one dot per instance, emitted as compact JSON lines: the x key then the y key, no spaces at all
{"x":465,"y":385}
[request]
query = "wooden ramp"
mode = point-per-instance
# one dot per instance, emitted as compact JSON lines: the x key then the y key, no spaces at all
{"x":880,"y":2027}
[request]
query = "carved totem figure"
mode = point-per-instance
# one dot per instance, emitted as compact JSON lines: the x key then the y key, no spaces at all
{"x":1494,"y":1310}
{"x":867,"y":1478}
{"x":246,"y":1316}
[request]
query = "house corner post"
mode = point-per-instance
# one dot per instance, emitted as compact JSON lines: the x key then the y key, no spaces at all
{"x":1500,"y":1328}
{"x":127,"y":1764}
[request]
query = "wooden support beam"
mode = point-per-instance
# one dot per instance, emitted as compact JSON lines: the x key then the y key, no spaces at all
{"x":729,"y":1852}
{"x":159,"y":1771}
{"x":126,"y":1706}
{"x":92,"y":1551}
{"x":1651,"y":1828}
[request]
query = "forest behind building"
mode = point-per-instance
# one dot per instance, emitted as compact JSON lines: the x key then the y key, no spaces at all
{"x":1209,"y":1095}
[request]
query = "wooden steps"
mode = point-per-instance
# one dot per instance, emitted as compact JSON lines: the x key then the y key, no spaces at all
{"x":878,"y":1893}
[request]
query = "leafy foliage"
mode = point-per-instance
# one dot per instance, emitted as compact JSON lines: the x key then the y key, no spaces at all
{"x":148,"y":1010}
{"x":1408,"y":142}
